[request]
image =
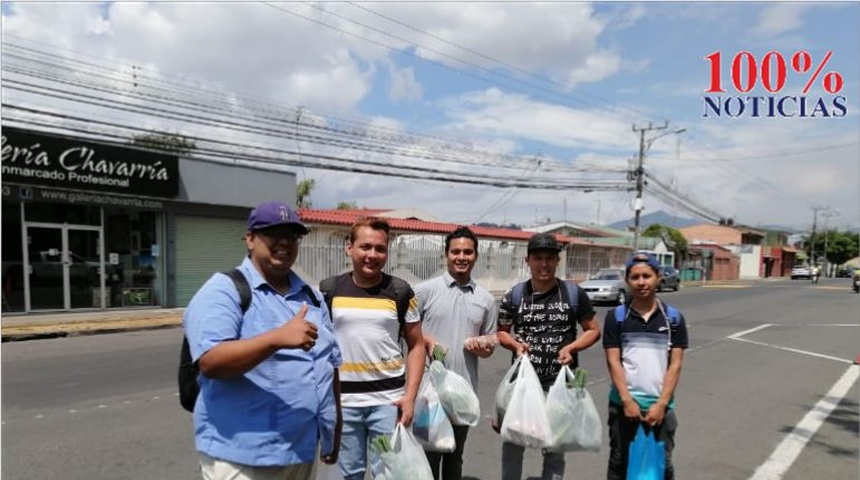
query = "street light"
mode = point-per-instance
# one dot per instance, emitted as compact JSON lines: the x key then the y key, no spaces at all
{"x":644,"y":146}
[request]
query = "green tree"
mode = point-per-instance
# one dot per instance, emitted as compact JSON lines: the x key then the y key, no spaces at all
{"x":303,"y":193}
{"x":352,"y":205}
{"x":165,"y":141}
{"x":840,"y":246}
{"x":673,"y":237}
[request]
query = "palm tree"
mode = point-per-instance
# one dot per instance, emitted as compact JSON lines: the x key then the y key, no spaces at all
{"x":303,"y":193}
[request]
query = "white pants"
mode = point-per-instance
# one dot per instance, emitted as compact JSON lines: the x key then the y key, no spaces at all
{"x":214,"y":469}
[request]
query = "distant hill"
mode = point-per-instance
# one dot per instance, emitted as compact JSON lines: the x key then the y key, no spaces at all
{"x":660,"y":217}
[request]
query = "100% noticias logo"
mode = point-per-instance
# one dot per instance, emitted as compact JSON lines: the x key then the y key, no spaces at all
{"x":774,"y":74}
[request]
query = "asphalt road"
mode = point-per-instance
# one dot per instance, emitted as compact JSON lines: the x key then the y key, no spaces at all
{"x":763,"y":357}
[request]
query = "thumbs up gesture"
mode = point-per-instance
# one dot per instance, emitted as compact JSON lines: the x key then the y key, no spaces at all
{"x":298,"y":332}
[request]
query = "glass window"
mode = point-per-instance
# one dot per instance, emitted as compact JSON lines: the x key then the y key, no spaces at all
{"x":62,"y":213}
{"x":13,"y":259}
{"x":134,"y":258}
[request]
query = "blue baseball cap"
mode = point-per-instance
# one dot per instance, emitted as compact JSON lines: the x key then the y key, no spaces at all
{"x":641,"y":257}
{"x":273,"y":214}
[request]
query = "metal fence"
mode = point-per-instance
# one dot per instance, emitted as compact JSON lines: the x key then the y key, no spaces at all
{"x":418,"y":257}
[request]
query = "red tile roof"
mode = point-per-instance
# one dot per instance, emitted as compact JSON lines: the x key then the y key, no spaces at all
{"x":347,"y":217}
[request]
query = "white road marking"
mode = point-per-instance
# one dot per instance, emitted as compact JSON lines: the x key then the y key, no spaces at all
{"x":794,"y":350}
{"x":40,"y":416}
{"x":788,"y":450}
{"x":737,"y":336}
{"x":747,"y":332}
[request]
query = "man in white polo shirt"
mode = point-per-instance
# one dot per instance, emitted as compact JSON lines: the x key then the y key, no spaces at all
{"x":454,"y":312}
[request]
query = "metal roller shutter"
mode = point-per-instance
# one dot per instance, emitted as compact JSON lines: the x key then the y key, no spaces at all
{"x":205,"y":245}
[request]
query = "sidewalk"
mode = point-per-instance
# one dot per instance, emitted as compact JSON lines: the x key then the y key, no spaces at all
{"x":64,"y":324}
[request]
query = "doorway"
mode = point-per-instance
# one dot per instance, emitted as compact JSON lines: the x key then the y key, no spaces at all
{"x":64,"y":267}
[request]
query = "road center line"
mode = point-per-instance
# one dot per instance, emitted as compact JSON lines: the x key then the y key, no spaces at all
{"x":794,"y":350}
{"x":788,"y":450}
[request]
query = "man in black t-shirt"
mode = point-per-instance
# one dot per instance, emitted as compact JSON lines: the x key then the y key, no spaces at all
{"x":542,"y":324}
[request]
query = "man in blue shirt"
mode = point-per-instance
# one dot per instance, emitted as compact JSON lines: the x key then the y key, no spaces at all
{"x":269,"y":384}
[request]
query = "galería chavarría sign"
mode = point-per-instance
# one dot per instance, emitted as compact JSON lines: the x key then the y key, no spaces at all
{"x":38,"y":158}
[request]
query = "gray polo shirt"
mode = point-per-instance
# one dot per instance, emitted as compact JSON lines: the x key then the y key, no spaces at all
{"x":451,"y":313}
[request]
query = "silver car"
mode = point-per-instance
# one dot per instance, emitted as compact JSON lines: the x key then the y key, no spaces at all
{"x":607,"y":285}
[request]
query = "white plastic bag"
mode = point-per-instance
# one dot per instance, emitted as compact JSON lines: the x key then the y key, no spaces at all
{"x":456,"y":396}
{"x":430,"y":425}
{"x":405,"y":460}
{"x":503,"y":393}
{"x":525,"y":422}
{"x":573,"y":417}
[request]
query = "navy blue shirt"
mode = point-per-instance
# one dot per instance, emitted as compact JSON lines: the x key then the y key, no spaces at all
{"x":645,"y":349}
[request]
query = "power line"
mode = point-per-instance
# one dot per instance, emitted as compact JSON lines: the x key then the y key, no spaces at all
{"x":490,"y":58}
{"x":275,"y":156}
{"x":182,"y":98}
{"x":566,"y":98}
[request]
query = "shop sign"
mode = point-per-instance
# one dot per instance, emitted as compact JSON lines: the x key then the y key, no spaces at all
{"x":40,"y":159}
{"x":50,"y":195}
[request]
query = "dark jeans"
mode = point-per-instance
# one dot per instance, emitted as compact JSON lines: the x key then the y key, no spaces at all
{"x":621,"y":433}
{"x":512,"y":463}
{"x":452,"y":463}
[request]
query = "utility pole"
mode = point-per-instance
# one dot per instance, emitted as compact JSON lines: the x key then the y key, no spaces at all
{"x":827,"y":215}
{"x":815,"y":210}
{"x":640,"y":180}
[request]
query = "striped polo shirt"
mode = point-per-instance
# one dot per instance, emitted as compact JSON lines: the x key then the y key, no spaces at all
{"x":645,"y":348}
{"x":368,"y":332}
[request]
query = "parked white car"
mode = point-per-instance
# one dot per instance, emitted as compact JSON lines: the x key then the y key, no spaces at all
{"x":607,"y":285}
{"x":801,"y":271}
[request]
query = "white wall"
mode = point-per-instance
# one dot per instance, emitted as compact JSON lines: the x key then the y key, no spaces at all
{"x":750,"y":256}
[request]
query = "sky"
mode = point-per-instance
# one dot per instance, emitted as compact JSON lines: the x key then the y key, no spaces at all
{"x":545,"y":87}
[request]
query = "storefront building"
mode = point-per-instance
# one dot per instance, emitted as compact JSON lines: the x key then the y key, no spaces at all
{"x":88,"y":225}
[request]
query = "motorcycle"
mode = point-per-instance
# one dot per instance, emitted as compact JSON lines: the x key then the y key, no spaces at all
{"x":856,"y":284}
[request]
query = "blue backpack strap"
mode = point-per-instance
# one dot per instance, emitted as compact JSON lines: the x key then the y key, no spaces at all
{"x":517,"y":295}
{"x":572,"y":291}
{"x":620,"y":312}
{"x":672,"y":313}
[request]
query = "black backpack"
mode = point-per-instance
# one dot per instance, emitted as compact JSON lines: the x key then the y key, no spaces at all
{"x":189,"y":389}
{"x":401,"y":293}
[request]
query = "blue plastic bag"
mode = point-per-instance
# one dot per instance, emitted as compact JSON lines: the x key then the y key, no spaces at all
{"x":647,"y":459}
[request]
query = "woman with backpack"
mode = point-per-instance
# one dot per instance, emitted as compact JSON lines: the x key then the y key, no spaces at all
{"x":644,"y":342}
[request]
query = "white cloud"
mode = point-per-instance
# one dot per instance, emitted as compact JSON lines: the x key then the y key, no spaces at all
{"x":250,"y":50}
{"x":493,"y":112}
{"x":778,"y":18}
{"x":597,"y":66}
{"x":404,"y":85}
{"x":551,"y":39}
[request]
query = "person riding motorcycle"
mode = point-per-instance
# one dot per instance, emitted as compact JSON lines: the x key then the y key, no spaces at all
{"x":856,"y":281}
{"x":816,"y":273}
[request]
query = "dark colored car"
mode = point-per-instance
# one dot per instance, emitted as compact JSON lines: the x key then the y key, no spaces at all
{"x":845,"y":272}
{"x":669,"y":280}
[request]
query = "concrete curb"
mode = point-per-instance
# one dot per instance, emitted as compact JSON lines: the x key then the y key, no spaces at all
{"x":35,"y":331}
